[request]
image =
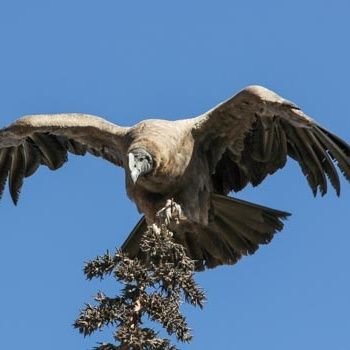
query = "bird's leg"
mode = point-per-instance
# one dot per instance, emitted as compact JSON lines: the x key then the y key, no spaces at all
{"x":170,"y":212}
{"x":156,"y":229}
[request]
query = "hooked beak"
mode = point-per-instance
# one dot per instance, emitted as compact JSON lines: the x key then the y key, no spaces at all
{"x":135,"y":173}
{"x":140,"y":163}
{"x":134,"y":170}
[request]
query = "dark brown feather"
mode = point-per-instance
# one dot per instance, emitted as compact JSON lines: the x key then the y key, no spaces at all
{"x":32,"y":157}
{"x":326,"y":162}
{"x":5,"y":164}
{"x":337,"y":149}
{"x":278,"y":129}
{"x":54,"y":155}
{"x":17,"y":172}
{"x":236,"y":228}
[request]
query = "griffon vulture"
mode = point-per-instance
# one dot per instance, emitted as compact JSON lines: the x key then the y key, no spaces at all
{"x":196,"y":162}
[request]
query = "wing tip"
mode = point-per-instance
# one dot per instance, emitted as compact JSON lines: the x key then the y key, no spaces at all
{"x":14,"y":196}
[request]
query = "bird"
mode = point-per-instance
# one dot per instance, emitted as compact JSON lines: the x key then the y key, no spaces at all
{"x":198,"y":163}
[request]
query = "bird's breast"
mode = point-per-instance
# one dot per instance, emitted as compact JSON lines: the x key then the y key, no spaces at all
{"x":179,"y":172}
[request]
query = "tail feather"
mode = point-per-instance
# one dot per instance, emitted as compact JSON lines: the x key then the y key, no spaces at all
{"x":246,"y":223}
{"x":131,"y":245}
{"x":236,"y":228}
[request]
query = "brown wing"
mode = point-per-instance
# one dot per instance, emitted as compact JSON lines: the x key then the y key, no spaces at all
{"x":46,"y":139}
{"x":250,"y":136}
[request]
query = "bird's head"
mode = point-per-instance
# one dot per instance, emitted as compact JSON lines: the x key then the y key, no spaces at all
{"x":140,"y":163}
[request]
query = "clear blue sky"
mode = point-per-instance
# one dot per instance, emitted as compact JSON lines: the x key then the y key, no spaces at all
{"x":130,"y":60}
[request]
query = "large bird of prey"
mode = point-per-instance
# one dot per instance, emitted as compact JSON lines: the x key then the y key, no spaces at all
{"x":196,"y":162}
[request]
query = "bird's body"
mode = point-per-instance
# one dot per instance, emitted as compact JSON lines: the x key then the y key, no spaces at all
{"x":196,"y":162}
{"x":174,"y":170}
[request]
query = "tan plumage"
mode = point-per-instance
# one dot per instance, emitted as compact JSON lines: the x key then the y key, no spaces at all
{"x":196,"y":161}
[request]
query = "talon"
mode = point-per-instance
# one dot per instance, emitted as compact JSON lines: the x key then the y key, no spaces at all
{"x":170,"y":212}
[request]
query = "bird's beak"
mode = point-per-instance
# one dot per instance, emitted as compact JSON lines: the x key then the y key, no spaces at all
{"x":134,"y":171}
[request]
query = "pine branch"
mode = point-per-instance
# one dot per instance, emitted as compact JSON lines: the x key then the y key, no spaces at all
{"x":154,"y":289}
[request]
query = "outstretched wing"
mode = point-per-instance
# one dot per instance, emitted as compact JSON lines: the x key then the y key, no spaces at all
{"x":250,"y":136}
{"x":46,"y":139}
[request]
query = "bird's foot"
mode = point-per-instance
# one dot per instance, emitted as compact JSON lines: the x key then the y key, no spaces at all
{"x":171,"y":212}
